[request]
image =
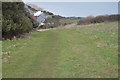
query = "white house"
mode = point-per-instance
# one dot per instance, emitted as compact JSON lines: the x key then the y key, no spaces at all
{"x":39,"y":16}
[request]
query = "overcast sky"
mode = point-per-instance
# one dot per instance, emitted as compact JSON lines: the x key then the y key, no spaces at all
{"x":79,"y":9}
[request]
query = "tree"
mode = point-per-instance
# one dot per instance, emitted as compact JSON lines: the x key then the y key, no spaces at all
{"x":15,"y":22}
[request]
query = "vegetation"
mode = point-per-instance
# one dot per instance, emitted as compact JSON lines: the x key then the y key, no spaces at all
{"x":99,"y":19}
{"x":48,"y":13}
{"x":52,"y":22}
{"x":76,"y":52}
{"x":15,"y":20}
{"x":19,"y":20}
{"x":34,"y":10}
{"x":58,"y":21}
{"x":67,"y":21}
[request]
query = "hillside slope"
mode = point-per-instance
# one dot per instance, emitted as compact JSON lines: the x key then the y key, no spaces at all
{"x":76,"y":52}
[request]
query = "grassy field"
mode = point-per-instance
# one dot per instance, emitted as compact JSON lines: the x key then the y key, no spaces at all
{"x":76,"y":52}
{"x":68,"y":21}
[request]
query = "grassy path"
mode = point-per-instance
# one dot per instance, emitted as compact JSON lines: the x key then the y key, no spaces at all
{"x":73,"y":52}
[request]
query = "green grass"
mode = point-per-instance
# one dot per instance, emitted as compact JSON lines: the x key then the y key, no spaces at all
{"x":77,"y":52}
{"x":68,"y":21}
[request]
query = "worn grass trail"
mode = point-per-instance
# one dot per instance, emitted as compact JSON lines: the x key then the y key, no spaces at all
{"x":76,"y":52}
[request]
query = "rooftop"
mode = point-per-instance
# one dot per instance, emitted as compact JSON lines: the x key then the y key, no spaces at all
{"x":38,"y":13}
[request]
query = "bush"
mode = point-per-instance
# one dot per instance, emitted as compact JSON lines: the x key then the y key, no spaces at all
{"x":35,"y":23}
{"x":99,"y":19}
{"x":15,"y":22}
{"x":51,"y":23}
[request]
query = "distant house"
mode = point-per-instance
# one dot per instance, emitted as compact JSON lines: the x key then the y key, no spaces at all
{"x":39,"y":16}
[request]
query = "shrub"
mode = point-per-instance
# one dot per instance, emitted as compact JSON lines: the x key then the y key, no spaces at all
{"x":15,"y":22}
{"x":51,"y":23}
{"x":99,"y":19}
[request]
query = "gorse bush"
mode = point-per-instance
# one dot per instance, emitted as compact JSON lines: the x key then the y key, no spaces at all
{"x":15,"y":21}
{"x":99,"y":19}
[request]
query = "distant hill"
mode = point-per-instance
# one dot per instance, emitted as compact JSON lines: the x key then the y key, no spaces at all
{"x":52,"y":20}
{"x":35,"y":7}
